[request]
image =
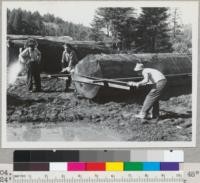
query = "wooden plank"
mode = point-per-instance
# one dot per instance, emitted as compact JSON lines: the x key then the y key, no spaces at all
{"x":104,"y":83}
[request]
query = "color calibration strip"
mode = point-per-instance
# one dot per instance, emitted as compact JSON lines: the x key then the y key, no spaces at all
{"x":99,"y":156}
{"x":98,"y":166}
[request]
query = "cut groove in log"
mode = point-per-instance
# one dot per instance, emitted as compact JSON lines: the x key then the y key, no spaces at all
{"x":176,"y":67}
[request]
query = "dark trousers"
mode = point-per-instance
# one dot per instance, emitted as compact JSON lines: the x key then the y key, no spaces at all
{"x":33,"y":75}
{"x":69,"y":79}
{"x":68,"y":82}
{"x":152,"y":99}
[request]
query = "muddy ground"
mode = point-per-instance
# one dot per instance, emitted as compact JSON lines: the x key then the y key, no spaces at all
{"x":54,"y":115}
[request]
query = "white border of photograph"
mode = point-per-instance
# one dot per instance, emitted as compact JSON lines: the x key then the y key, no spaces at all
{"x":192,"y":6}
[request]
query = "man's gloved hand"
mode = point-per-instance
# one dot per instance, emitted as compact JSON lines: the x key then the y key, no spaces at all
{"x":69,"y":69}
{"x":72,"y":71}
{"x":62,"y":61}
{"x":132,"y":83}
{"x":21,"y":61}
{"x":64,"y":70}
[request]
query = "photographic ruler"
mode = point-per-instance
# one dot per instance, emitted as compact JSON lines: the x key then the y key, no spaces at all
{"x":99,"y":167}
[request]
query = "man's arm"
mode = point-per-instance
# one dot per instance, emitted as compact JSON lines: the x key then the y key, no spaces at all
{"x":144,"y":81}
{"x":39,"y":56}
{"x":73,"y":59}
{"x":63,"y":57}
{"x":140,"y":83}
{"x":23,"y":55}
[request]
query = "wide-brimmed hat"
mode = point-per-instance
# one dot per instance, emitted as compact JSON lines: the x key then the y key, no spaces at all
{"x":139,"y":67}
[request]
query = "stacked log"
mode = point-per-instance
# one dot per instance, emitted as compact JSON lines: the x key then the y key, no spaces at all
{"x":176,"y":67}
{"x":51,"y":48}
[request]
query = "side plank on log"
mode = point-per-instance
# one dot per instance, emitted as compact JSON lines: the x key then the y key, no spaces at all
{"x":118,"y":68}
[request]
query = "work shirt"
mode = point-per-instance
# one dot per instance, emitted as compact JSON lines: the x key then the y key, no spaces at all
{"x":70,"y":58}
{"x":30,"y":55}
{"x":154,"y":75}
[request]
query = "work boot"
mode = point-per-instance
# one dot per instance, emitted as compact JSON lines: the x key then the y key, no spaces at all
{"x":30,"y":89}
{"x":37,"y":90}
{"x":155,"y":119}
{"x":67,"y":89}
{"x":141,"y":116}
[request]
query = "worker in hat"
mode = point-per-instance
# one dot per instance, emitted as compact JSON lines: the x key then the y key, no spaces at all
{"x":69,"y":61}
{"x":31,"y":57}
{"x":151,"y":102}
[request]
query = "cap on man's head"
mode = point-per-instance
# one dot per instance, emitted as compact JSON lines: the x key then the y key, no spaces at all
{"x":139,"y":67}
{"x":31,"y":42}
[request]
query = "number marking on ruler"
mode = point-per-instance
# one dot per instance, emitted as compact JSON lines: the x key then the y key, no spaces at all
{"x":101,"y":177}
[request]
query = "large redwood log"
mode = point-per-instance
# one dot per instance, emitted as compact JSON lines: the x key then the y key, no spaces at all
{"x":176,"y":67}
{"x":51,"y":48}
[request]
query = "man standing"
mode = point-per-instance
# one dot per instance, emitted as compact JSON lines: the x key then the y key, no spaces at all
{"x":69,"y":61}
{"x":31,"y":57}
{"x":158,"y":81}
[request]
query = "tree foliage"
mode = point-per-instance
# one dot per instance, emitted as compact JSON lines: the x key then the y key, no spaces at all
{"x":153,"y":31}
{"x":181,"y":35}
{"x":175,"y":22}
{"x":118,"y":23}
{"x":182,"y":43}
{"x":24,"y":22}
{"x":96,"y":33}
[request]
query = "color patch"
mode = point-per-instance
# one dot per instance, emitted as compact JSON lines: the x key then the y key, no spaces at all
{"x":93,"y":166}
{"x":155,"y":156}
{"x":21,"y":166}
{"x":46,"y":156}
{"x":22,"y":156}
{"x":174,"y":156}
{"x":114,"y":166}
{"x":121,"y":156}
{"x":58,"y":167}
{"x":76,"y":166}
{"x":39,"y":166}
{"x":87,"y":156}
{"x":138,"y":156}
{"x":171,"y":166}
{"x":151,"y":166}
{"x":133,"y":166}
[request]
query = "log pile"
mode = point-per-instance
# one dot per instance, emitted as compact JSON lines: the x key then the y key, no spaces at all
{"x":176,"y":67}
{"x":51,"y":48}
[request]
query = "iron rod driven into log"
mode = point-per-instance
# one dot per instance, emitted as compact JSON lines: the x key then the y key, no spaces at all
{"x":115,"y":70}
{"x":117,"y":80}
{"x":118,"y":83}
{"x":58,"y":75}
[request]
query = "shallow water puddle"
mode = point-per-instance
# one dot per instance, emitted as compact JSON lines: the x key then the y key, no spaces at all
{"x":60,"y":132}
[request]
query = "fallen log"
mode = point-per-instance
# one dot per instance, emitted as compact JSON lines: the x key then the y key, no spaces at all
{"x":51,"y":48}
{"x":176,"y":67}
